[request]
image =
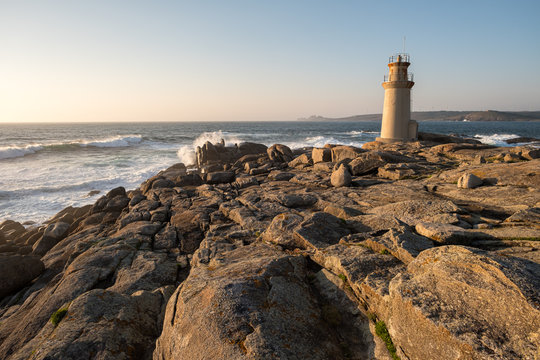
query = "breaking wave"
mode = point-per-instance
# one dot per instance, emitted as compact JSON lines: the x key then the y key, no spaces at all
{"x":495,"y":139}
{"x":7,"y":152}
{"x":186,"y":153}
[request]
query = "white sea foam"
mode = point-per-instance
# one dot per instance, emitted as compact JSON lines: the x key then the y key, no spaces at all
{"x":361,"y":132}
{"x":496,"y":139}
{"x":320,"y":141}
{"x":14,"y":151}
{"x":186,"y":153}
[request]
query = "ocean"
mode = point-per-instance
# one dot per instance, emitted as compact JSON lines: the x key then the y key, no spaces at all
{"x":47,"y":167}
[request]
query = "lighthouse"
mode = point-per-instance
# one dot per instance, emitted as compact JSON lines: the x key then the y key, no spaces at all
{"x":396,"y":119}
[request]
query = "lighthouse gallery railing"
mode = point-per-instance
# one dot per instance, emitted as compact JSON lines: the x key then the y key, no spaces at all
{"x":398,"y":77}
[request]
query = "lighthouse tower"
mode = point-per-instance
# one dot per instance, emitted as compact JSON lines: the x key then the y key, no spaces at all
{"x":396,"y":120}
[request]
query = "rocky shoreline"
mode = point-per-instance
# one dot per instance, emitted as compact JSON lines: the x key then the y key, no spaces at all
{"x":421,"y":250}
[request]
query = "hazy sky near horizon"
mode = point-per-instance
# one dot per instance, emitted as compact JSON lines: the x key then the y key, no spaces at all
{"x":260,"y":60}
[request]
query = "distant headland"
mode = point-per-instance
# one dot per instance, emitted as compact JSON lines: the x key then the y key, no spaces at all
{"x":489,"y":115}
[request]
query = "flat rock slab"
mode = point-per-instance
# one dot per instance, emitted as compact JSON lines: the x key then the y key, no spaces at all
{"x":251,"y":304}
{"x":277,"y":175}
{"x":507,"y":233}
{"x":280,"y":230}
{"x":459,"y":302}
{"x":445,"y":233}
{"x":292,"y":200}
{"x":413,"y":212}
{"x":367,"y":272}
{"x":342,"y":212}
{"x":375,"y":223}
{"x":527,"y":216}
{"x":402,"y":244}
{"x":320,"y":230}
{"x":520,"y":174}
{"x":105,"y":325}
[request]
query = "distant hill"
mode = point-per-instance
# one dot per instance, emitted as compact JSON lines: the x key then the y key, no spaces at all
{"x":489,"y":115}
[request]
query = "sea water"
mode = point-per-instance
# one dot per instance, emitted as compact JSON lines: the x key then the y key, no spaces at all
{"x":46,"y":167}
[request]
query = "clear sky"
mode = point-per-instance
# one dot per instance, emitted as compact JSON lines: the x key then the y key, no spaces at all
{"x":260,"y":60}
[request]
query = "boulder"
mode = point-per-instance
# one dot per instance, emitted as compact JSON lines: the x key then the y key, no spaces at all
{"x":245,"y":181}
{"x":323,"y":166}
{"x":397,"y":171}
{"x":188,"y":180}
{"x":469,"y":181}
{"x":301,"y":160}
{"x":119,"y":202}
{"x":342,"y":152}
{"x":163,"y":183}
{"x":52,"y":235}
{"x":220,"y":177}
{"x":174,"y":171}
{"x":277,"y":175}
{"x":511,"y":157}
{"x":530,"y":153}
{"x":279,"y":153}
{"x":16,"y":271}
{"x":366,"y":163}
{"x":11,"y":229}
{"x":463,"y":303}
{"x":66,"y":215}
{"x":247,"y":158}
{"x":249,"y":148}
{"x":321,"y":155}
{"x":206,"y":154}
{"x":341,"y":177}
{"x":119,"y":191}
{"x":9,"y":225}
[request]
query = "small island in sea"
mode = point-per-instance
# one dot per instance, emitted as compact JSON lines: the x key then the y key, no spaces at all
{"x":389,"y":250}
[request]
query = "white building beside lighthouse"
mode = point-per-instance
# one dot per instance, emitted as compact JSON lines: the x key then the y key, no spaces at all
{"x":396,"y":119}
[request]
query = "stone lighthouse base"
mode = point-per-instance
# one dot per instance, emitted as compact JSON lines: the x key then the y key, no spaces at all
{"x":413,"y":134}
